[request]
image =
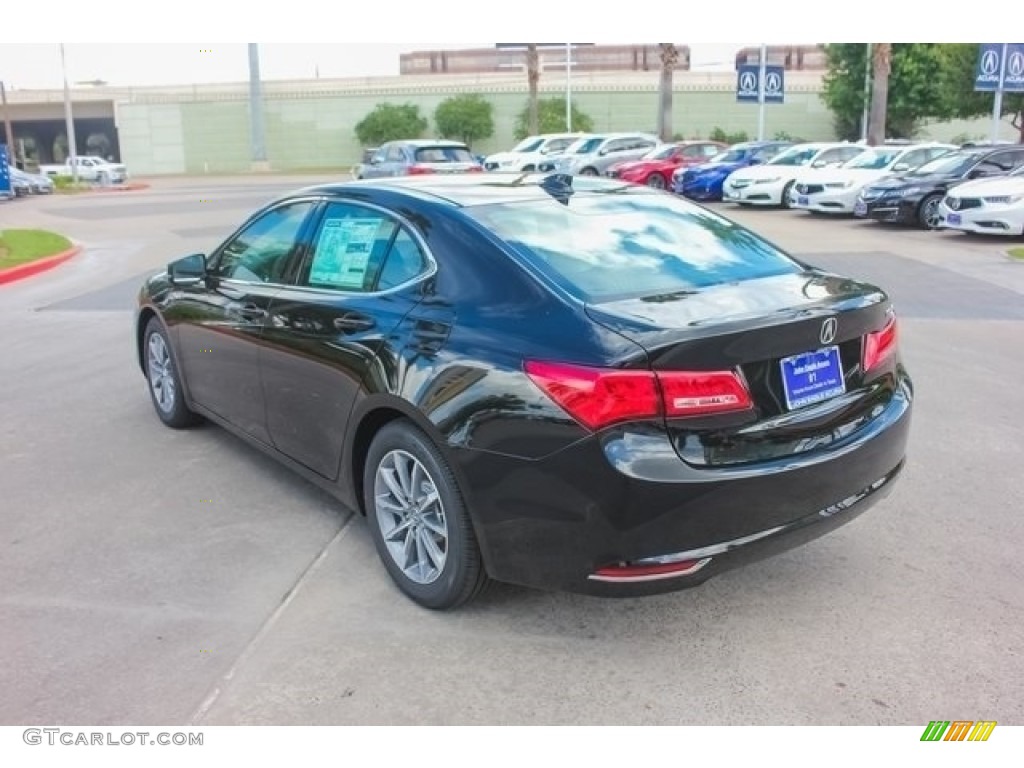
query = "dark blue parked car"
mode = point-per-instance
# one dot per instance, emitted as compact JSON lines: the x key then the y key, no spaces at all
{"x":704,"y":182}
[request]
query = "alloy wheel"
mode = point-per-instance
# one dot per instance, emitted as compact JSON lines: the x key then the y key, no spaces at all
{"x":161,"y":374}
{"x":411,"y":516}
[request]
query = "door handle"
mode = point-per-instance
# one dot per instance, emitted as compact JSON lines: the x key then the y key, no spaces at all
{"x":353,"y":322}
{"x":252,"y":312}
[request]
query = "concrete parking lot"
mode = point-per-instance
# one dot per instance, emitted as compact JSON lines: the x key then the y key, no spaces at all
{"x":152,"y":576}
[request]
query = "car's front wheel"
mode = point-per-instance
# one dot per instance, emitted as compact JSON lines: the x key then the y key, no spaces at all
{"x":928,"y":215}
{"x":588,"y":172}
{"x":418,"y":519}
{"x":656,"y":180}
{"x":786,"y":192}
{"x":164,"y":382}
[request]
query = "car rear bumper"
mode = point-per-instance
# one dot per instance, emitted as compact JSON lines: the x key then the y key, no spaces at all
{"x":625,"y":496}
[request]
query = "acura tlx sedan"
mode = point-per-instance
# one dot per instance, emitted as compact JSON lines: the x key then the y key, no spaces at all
{"x":557,"y":382}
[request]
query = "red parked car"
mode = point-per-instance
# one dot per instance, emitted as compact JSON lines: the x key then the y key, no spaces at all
{"x":655,"y":169}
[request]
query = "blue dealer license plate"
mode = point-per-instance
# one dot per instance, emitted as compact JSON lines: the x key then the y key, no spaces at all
{"x":812,"y":377}
{"x":860,"y":208}
{"x":954,"y":219}
{"x":802,"y":201}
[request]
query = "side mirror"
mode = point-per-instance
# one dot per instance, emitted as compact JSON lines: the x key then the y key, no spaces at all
{"x":189,"y":270}
{"x":818,"y":164}
{"x":375,"y":160}
{"x":901,"y":167}
{"x":979,"y":173}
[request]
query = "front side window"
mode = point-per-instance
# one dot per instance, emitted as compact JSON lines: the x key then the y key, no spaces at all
{"x":260,"y":252}
{"x":360,"y":250}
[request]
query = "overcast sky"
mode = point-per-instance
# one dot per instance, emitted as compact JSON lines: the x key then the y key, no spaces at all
{"x":37,"y":65}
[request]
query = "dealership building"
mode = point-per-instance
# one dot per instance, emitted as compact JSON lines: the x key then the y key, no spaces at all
{"x":310,"y":124}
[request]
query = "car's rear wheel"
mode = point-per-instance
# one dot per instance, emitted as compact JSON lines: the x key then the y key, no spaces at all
{"x":588,"y":172}
{"x":529,"y":168}
{"x":419,"y":521}
{"x":656,"y":180}
{"x":928,"y":215}
{"x":164,"y":382}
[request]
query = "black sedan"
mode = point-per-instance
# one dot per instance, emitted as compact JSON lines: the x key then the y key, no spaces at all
{"x":914,"y":197}
{"x":557,"y":382}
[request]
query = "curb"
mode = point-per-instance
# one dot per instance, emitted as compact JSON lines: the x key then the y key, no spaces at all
{"x":122,"y":188}
{"x":21,"y":271}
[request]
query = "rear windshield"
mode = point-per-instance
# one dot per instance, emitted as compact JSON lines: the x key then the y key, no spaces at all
{"x":605,"y":246}
{"x":443,"y":155}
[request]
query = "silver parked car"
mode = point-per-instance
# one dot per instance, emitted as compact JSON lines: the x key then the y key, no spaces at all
{"x":592,"y":155}
{"x":408,"y":158}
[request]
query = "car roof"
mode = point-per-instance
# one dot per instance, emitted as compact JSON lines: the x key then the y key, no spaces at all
{"x":429,"y":143}
{"x":468,"y":190}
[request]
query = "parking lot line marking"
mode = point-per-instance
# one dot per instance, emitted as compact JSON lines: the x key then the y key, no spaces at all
{"x":267,"y":625}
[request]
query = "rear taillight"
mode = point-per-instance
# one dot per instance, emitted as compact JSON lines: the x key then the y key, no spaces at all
{"x":880,"y":345}
{"x":699,"y":393}
{"x":476,"y":169}
{"x":597,"y":397}
{"x":417,"y":170}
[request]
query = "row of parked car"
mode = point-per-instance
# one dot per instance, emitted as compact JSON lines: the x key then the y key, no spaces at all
{"x":975,"y":188}
{"x":24,"y":183}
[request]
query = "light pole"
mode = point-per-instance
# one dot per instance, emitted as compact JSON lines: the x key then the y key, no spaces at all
{"x":867,"y":96}
{"x":568,"y":87}
{"x":760,"y":91}
{"x":69,"y":120}
{"x":7,"y":124}
{"x":259,"y":148}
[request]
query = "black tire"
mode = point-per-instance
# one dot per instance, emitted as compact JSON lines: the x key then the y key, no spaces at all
{"x":927,"y":210}
{"x":656,"y":181}
{"x":528,"y":169}
{"x":167,"y":396}
{"x":588,"y":171}
{"x":461,"y":577}
{"x":785,"y":195}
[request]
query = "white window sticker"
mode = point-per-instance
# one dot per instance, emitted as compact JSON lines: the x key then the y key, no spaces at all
{"x":343,"y":252}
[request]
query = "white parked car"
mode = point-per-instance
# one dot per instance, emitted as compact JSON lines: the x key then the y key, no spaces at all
{"x":527,"y":154}
{"x":835,"y":190}
{"x":90,"y":168}
{"x":772,"y":183}
{"x":987,"y":206}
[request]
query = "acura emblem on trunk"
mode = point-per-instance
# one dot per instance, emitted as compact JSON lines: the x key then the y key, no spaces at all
{"x":828,"y":331}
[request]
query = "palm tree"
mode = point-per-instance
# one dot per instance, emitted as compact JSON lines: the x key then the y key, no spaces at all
{"x":533,"y":78}
{"x":669,"y":58}
{"x":881,"y":62}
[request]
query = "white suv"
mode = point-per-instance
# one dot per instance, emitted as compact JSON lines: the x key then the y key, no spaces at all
{"x":527,"y":154}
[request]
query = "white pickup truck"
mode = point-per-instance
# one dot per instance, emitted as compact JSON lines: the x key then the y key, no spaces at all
{"x":90,"y":168}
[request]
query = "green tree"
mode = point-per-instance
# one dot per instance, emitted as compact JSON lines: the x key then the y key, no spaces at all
{"x":390,"y":122}
{"x":551,"y":118}
{"x":959,"y":61}
{"x":915,"y":87}
{"x":466,"y":117}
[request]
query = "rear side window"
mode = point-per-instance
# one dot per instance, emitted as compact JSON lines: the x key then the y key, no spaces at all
{"x":360,"y":250}
{"x":443,"y":155}
{"x":606,"y":246}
